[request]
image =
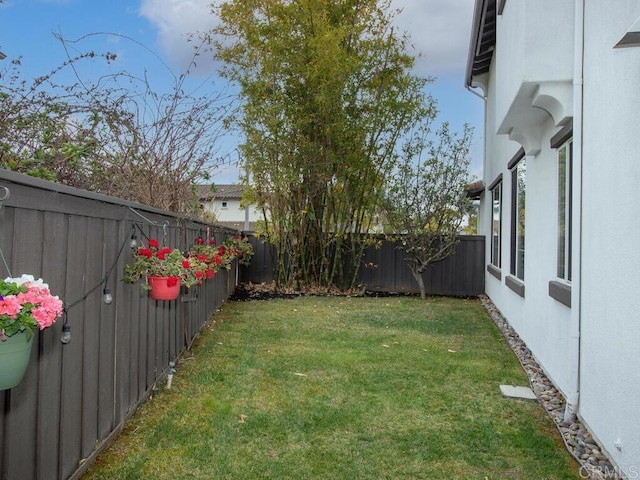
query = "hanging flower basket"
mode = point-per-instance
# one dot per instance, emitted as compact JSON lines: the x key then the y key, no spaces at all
{"x":26,"y":305}
{"x":164,"y":288}
{"x":163,"y":263}
{"x":15,"y":352}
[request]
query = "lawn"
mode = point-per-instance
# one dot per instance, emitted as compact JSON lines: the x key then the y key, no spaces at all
{"x":342,"y":388}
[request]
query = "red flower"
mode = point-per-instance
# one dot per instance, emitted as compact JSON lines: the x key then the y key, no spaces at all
{"x":221,"y":250}
{"x":217,"y":260}
{"x":212,"y":242}
{"x":166,"y":250}
{"x":202,"y":257}
{"x":172,"y":281}
{"x":145,"y":252}
{"x":198,"y":274}
{"x":161,"y":254}
{"x":236,"y":236}
{"x":198,"y":241}
{"x":153,"y":243}
{"x":186,"y":264}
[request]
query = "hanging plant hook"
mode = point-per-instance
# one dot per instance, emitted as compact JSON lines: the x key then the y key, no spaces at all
{"x":5,"y":193}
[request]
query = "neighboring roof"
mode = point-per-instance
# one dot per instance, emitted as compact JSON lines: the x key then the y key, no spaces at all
{"x":2,"y":56}
{"x":228,"y":192}
{"x":483,"y":39}
{"x":475,"y":189}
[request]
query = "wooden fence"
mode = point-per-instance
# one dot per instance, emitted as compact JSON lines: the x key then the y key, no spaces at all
{"x":76,"y":397}
{"x":384,"y":269}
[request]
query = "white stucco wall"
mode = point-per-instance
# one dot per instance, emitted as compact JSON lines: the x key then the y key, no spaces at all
{"x":232,"y":212}
{"x":610,"y":367}
{"x":534,"y":46}
{"x":605,"y":298}
{"x":541,"y":321}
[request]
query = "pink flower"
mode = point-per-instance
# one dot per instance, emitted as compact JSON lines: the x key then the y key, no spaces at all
{"x":33,"y":303}
{"x":10,"y":306}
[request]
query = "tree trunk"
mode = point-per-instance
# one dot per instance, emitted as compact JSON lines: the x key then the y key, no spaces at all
{"x":417,"y":274}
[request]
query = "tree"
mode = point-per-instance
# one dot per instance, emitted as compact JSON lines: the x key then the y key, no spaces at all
{"x":326,"y":91}
{"x":427,"y":200}
{"x":114,"y":135}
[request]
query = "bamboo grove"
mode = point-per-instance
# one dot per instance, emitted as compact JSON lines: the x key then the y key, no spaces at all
{"x":327,"y":92}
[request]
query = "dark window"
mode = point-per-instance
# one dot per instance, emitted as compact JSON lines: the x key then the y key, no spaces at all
{"x":518,"y":211}
{"x":565,"y":160}
{"x":496,"y":223}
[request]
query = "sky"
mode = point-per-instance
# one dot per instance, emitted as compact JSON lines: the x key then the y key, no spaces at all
{"x":150,"y":36}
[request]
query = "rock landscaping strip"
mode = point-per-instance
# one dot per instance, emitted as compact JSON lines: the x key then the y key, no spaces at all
{"x":580,"y":443}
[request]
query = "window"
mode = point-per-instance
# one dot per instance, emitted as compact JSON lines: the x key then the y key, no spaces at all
{"x":518,"y":188}
{"x":565,"y":154}
{"x":560,"y":289}
{"x":496,"y":223}
{"x":224,"y":204}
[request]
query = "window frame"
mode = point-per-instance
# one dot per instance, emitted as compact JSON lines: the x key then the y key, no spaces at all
{"x":565,"y":207}
{"x":517,"y":166}
{"x":560,"y":288}
{"x":495,"y":244}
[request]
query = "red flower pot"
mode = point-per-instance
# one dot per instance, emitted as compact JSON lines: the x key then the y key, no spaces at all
{"x":164,"y":288}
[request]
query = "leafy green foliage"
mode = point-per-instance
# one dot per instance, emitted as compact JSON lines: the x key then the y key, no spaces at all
{"x":326,"y":91}
{"x":427,"y":201}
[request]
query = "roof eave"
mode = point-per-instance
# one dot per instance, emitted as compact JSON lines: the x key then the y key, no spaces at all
{"x":482,"y":41}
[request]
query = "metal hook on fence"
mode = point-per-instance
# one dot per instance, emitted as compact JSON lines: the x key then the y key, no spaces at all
{"x":5,"y":193}
{"x":164,"y":233}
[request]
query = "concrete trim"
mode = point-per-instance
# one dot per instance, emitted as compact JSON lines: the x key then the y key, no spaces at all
{"x":515,"y":285}
{"x":561,"y":292}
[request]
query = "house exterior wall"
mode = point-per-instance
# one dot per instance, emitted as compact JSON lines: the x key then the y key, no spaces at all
{"x":540,"y":320}
{"x":591,"y":347}
{"x":233,"y":212}
{"x":610,"y":367}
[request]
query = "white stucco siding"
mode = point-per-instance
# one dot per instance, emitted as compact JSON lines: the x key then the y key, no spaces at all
{"x":610,"y":378}
{"x":541,"y":321}
{"x":232,"y":211}
{"x":508,"y":57}
{"x":534,"y":46}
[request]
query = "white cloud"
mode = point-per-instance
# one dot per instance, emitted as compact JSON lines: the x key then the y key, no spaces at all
{"x":439,"y":29}
{"x":175,"y":20}
{"x":440,"y":32}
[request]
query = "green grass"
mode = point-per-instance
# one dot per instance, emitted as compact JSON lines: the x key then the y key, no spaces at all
{"x":342,"y":388}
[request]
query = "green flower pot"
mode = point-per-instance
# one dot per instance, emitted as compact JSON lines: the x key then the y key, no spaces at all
{"x":15,"y":352}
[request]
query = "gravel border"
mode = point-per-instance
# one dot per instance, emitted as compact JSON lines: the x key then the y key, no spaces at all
{"x":580,"y":443}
